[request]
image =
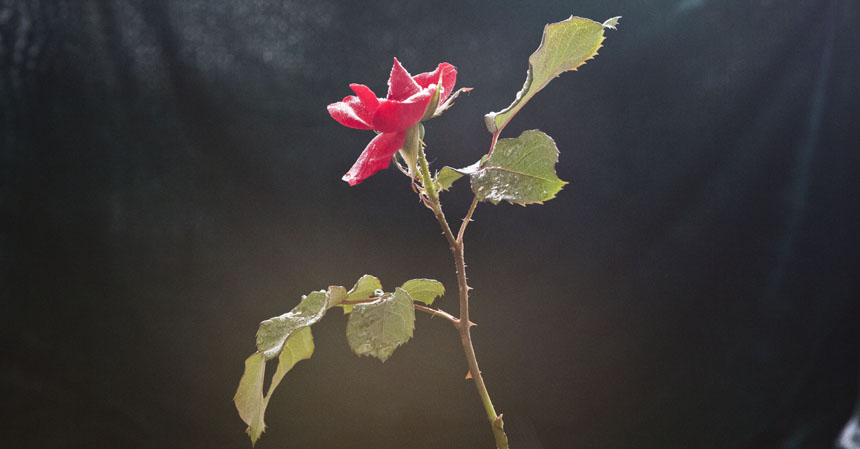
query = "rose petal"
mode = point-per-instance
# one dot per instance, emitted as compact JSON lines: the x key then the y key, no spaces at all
{"x":396,"y":116}
{"x":449,"y":79}
{"x":400,"y":84}
{"x":350,"y":112}
{"x":366,"y":96}
{"x":376,"y":156}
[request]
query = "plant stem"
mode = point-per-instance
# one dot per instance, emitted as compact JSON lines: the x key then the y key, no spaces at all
{"x":463,"y":324}
{"x":437,"y":312}
{"x":419,"y":307}
{"x":466,"y":220}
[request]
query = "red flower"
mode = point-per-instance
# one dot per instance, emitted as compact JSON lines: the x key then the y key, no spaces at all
{"x":407,"y":103}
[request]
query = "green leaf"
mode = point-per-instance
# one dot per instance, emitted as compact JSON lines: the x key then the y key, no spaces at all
{"x":249,"y":396}
{"x":446,"y":177}
{"x":424,"y":290}
{"x":565,"y":46}
{"x":287,"y":337}
{"x":336,"y":295}
{"x":520,"y":170}
{"x":365,"y":287}
{"x":275,"y":331}
{"x":300,"y":346}
{"x":379,"y":327}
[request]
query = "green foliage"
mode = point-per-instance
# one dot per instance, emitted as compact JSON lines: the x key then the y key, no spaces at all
{"x":287,"y":337}
{"x":300,"y":346}
{"x":565,"y":46}
{"x":364,"y":288}
{"x":424,"y":290}
{"x":274,"y":332}
{"x":520,"y":170}
{"x":378,"y":328}
{"x":446,"y":177}
{"x":249,"y":396}
{"x":337,"y":295}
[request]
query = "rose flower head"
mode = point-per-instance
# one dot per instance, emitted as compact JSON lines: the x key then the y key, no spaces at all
{"x":410,"y":100}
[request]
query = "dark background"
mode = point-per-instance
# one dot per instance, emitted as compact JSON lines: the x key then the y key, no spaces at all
{"x":170,"y":177}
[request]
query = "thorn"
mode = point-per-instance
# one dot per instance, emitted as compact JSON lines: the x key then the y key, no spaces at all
{"x":498,"y":422}
{"x":469,"y":374}
{"x":471,"y":323}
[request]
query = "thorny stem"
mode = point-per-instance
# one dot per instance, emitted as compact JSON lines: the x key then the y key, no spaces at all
{"x":463,"y":325}
{"x":431,"y":200}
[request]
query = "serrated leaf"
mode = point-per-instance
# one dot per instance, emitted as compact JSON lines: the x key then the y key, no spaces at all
{"x":300,"y":346}
{"x":379,"y":327}
{"x":565,"y":46}
{"x":520,"y":170}
{"x":287,"y":337}
{"x":446,"y":178}
{"x":449,"y":175}
{"x":424,"y":290}
{"x":274,"y":332}
{"x":364,"y":288}
{"x":249,"y":398}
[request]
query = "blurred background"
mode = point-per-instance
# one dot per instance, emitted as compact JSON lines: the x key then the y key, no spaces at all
{"x":170,"y":177}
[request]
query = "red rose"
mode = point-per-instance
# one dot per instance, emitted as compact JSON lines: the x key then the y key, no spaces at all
{"x":409,"y":98}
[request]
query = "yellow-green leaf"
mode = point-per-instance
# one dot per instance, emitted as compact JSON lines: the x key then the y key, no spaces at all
{"x":366,"y":287}
{"x":520,"y":170}
{"x":287,"y":337}
{"x":249,"y":396}
{"x":446,"y":178}
{"x":448,"y":175}
{"x":565,"y":46}
{"x":300,"y":346}
{"x":379,"y":327}
{"x":424,"y":290}
{"x":274,"y":332}
{"x":336,"y":295}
